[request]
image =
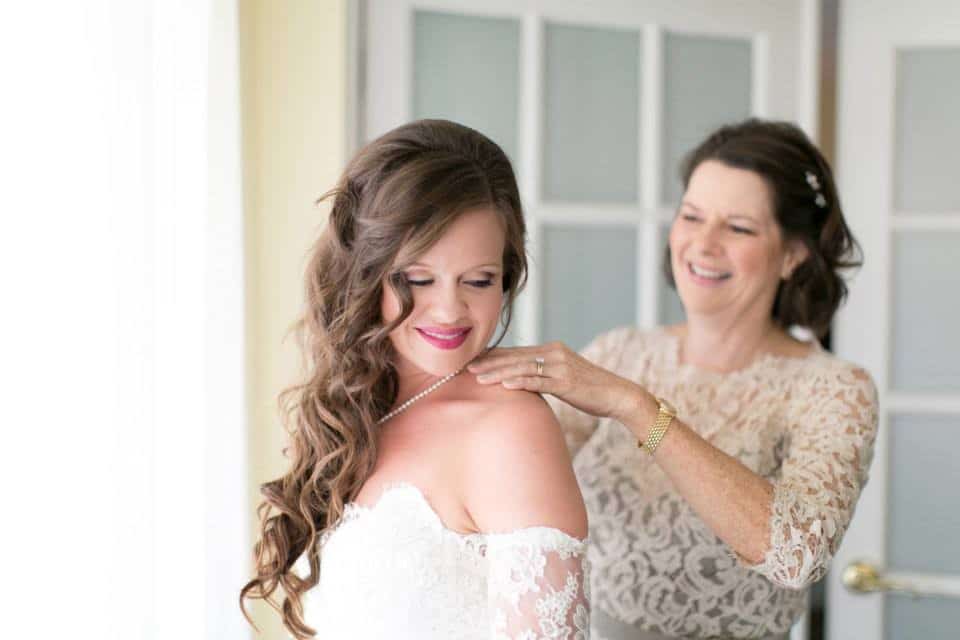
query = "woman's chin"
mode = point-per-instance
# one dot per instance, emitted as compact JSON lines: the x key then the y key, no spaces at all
{"x":441,"y":365}
{"x":421,"y":355}
{"x":702,"y":305}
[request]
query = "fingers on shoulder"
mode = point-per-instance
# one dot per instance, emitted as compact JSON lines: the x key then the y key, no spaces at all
{"x":520,"y":473}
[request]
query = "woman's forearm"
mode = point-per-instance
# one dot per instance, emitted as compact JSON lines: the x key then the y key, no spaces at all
{"x":731,"y":499}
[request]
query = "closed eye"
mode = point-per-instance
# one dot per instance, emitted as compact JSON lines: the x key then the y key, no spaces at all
{"x":742,"y":230}
{"x":689,"y":217}
{"x":480,"y":284}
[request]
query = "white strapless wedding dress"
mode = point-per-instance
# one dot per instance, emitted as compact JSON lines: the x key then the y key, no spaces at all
{"x":395,"y":571}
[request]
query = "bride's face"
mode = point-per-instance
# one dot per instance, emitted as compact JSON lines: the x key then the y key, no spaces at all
{"x":457,"y":290}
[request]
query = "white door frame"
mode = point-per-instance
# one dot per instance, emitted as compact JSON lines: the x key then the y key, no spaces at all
{"x":871,"y":32}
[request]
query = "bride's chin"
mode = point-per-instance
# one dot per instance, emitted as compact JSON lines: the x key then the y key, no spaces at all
{"x":442,"y":367}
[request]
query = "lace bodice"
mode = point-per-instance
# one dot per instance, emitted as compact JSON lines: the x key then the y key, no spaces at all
{"x":395,"y":571}
{"x":807,"y":424}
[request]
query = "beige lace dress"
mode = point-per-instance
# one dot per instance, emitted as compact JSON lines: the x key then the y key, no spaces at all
{"x":807,"y":424}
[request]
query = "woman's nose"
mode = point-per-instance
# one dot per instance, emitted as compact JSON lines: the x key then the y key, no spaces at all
{"x":708,"y":238}
{"x":448,"y":304}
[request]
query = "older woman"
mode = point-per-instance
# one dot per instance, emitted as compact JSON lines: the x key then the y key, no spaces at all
{"x":720,"y":460}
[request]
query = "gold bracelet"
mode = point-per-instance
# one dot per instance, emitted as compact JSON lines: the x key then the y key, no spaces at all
{"x":665,"y":415}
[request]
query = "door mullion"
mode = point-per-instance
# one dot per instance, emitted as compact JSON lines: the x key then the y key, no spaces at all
{"x":651,"y":141}
{"x":531,"y":131}
{"x":760,"y":76}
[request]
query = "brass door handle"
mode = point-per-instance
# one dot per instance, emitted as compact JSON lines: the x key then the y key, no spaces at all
{"x":863,"y":577}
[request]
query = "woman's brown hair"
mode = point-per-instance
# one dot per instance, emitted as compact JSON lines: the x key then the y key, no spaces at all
{"x":806,"y":206}
{"x":395,"y":199}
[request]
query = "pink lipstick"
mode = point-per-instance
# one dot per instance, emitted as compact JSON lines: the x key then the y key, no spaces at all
{"x":444,"y":338}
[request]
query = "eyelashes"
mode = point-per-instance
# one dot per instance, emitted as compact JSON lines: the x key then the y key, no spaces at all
{"x":479,"y":284}
{"x":736,"y":229}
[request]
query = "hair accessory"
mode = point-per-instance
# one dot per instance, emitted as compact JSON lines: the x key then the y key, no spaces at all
{"x":814,"y":183}
{"x":425,"y":392}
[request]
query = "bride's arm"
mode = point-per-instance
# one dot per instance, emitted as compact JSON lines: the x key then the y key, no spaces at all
{"x":521,"y":490}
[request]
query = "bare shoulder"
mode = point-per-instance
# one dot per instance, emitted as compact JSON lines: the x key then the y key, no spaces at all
{"x":518,"y":471}
{"x":520,"y":419}
{"x":502,"y":405}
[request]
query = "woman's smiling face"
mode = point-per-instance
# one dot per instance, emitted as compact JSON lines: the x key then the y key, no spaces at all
{"x":727,"y":251}
{"x":457,"y":288}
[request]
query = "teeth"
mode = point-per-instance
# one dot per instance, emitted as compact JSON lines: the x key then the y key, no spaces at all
{"x":707,"y":273}
{"x":444,"y":336}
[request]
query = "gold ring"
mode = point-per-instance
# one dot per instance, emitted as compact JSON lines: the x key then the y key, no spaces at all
{"x":539,"y":362}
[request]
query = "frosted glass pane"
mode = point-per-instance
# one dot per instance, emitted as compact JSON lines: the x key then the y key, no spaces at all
{"x":589,"y":282}
{"x":467,"y":69}
{"x":671,"y":309}
{"x":924,"y":477}
{"x":707,"y":83}
{"x":928,"y":131}
{"x":926,"y":333}
{"x":921,"y":619}
{"x":591,"y":102}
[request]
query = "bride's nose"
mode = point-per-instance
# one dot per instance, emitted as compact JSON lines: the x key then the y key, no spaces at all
{"x":448,"y":305}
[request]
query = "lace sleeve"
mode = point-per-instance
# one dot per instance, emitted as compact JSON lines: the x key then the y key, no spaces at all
{"x":605,"y":351}
{"x":822,"y":475}
{"x":538,"y":586}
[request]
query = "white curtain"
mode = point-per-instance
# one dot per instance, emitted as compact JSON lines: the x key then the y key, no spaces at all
{"x":124,"y":446}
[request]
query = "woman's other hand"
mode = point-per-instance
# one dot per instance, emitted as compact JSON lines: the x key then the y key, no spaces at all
{"x":564,"y":374}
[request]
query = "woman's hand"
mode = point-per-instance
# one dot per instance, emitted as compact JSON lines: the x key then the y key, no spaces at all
{"x":566,"y":375}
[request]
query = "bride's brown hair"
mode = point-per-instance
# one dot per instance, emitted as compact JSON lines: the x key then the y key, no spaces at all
{"x":395,"y":199}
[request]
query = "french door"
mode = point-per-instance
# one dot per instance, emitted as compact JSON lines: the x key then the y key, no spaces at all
{"x":897,"y":574}
{"x":596,"y":104}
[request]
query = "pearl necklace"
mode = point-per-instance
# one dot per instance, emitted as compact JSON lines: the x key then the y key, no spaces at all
{"x":425,"y":392}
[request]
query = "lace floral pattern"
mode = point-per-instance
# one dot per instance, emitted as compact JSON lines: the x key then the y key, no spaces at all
{"x":394,"y":570}
{"x":537,"y":586}
{"x":807,"y":424}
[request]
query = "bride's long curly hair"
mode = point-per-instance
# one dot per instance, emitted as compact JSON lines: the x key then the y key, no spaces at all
{"x":395,"y":199}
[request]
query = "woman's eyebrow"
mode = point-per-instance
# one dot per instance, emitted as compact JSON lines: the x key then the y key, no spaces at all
{"x":729,"y":216}
{"x":487,"y":265}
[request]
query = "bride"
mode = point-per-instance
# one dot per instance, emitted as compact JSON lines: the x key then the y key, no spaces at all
{"x":418,"y":503}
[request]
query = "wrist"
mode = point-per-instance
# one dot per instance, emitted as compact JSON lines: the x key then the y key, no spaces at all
{"x":666,"y":414}
{"x":638,"y":411}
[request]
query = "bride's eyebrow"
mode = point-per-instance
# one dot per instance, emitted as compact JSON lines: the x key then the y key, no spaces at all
{"x":488,"y":265}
